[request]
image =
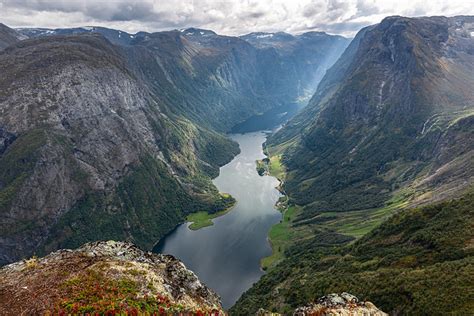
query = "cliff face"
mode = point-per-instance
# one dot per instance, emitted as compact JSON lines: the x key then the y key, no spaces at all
{"x":104,"y":277}
{"x":385,"y":113}
{"x":293,"y":65}
{"x":88,"y":151}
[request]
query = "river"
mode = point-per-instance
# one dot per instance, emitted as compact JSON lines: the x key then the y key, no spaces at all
{"x":226,"y":256}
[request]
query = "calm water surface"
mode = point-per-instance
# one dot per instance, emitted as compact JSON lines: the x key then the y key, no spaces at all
{"x":226,"y":256}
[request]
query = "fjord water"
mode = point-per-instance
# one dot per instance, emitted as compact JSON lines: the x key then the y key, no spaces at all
{"x":226,"y":256}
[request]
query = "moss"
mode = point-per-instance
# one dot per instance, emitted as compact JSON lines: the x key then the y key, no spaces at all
{"x":94,"y":292}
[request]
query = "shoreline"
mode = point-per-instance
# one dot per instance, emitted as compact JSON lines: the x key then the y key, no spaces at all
{"x":264,"y":168}
{"x":203,"y":219}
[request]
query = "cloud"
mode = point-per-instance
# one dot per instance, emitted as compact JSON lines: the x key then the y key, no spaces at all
{"x":232,"y":17}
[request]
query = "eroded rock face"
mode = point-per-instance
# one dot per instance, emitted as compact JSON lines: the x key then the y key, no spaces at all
{"x":343,"y":304}
{"x":104,"y":276}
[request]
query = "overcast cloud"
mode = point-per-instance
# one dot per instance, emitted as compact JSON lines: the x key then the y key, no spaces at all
{"x":233,"y":17}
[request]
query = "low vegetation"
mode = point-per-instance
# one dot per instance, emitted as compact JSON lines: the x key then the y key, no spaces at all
{"x":203,"y":219}
{"x":419,"y":261}
{"x":93,"y":293}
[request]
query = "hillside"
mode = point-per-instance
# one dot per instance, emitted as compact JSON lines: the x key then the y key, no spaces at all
{"x":384,"y":116}
{"x":89,"y":152}
{"x":9,"y":36}
{"x":389,"y":131}
{"x":420,"y":261}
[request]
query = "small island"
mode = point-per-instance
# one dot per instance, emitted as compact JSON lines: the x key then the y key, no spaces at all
{"x":203,"y":219}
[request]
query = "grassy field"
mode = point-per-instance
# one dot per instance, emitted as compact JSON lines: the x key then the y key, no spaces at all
{"x":276,"y":169}
{"x":202,"y":219}
{"x":280,"y":236}
{"x":354,"y":224}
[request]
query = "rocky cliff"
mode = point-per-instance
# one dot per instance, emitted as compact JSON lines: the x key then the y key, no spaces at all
{"x":107,"y":278}
{"x":384,"y":118}
{"x":89,"y":151}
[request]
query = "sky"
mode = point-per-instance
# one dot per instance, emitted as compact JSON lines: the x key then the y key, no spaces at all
{"x":231,"y":17}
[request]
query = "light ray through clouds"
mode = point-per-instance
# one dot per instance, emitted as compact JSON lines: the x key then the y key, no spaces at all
{"x":233,"y":17}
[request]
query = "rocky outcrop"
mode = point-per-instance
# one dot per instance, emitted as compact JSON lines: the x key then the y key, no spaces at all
{"x":343,"y":304}
{"x":104,"y":277}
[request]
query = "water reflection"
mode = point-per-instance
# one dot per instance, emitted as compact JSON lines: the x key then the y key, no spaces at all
{"x":226,"y":256}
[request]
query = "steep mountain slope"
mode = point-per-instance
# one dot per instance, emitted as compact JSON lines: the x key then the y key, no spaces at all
{"x":109,"y":135}
{"x":89,"y":152}
{"x":146,"y":88}
{"x":210,"y":79}
{"x":390,"y":128}
{"x":218,"y":80}
{"x":397,"y":107}
{"x":9,"y":36}
{"x":302,"y":59}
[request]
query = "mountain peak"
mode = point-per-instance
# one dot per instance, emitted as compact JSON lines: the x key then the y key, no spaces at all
{"x":192,"y":31}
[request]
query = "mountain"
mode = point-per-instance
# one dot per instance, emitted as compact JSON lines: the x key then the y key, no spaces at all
{"x":395,"y":111}
{"x":9,"y":36}
{"x":388,"y":131}
{"x":218,"y":80}
{"x":114,"y":36}
{"x":303,"y":59}
{"x":90,"y":152}
{"x":109,"y":135}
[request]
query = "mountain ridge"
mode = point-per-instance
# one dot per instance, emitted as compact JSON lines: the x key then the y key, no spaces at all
{"x":378,"y":169}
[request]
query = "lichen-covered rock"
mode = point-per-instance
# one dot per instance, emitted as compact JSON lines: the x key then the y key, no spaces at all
{"x":104,"y":277}
{"x":343,"y":304}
